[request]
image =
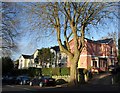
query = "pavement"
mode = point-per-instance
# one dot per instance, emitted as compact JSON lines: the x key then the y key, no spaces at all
{"x":102,"y":82}
{"x":101,"y":79}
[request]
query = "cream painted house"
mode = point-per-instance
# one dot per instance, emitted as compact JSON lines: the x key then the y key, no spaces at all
{"x":36,"y":53}
{"x":35,"y":56}
{"x":25,"y":61}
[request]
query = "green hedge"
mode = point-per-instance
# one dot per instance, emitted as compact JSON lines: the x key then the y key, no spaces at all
{"x":47,"y":71}
{"x":43,"y":71}
{"x":65,"y":71}
{"x":56,"y":71}
{"x":34,"y":71}
{"x":18,"y":72}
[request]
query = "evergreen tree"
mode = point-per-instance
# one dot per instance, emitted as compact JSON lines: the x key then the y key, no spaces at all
{"x":7,"y":65}
{"x":45,"y":56}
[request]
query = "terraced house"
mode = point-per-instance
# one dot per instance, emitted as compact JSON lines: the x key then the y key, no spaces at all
{"x":97,"y":54}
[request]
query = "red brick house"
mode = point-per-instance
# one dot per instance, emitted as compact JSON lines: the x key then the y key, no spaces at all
{"x":98,"y":54}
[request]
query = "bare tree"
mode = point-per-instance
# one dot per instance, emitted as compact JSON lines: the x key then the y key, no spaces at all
{"x":69,"y":20}
{"x":8,"y":31}
{"x":113,"y":35}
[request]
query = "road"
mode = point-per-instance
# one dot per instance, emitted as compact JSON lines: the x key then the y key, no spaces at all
{"x":85,"y":88}
{"x":100,"y":83}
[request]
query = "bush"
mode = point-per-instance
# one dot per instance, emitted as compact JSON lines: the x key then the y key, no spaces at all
{"x":81,"y":75}
{"x":117,"y":78}
{"x":56,"y":71}
{"x":17,"y":72}
{"x":65,"y":71}
{"x":85,"y":71}
{"x":47,"y":71}
{"x":34,"y":71}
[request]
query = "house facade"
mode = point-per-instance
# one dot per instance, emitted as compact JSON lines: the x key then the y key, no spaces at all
{"x":60,"y":59}
{"x":37,"y":62}
{"x":96,"y":54}
{"x":26,"y":61}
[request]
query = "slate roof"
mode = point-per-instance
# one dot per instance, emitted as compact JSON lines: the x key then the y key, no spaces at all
{"x":105,"y":41}
{"x":56,"y":48}
{"x":27,"y":56}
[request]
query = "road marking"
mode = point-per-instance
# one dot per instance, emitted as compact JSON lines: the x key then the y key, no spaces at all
{"x":10,"y":86}
{"x":26,"y":88}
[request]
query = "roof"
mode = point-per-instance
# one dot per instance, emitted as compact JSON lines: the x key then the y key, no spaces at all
{"x":108,"y":40}
{"x":27,"y":56}
{"x":105,"y":41}
{"x":56,"y":48}
{"x":36,"y":50}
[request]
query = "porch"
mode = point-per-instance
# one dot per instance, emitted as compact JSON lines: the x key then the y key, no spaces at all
{"x":99,"y":63}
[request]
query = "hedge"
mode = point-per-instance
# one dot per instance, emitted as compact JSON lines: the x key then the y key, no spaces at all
{"x":43,"y":71}
{"x":47,"y":71}
{"x":34,"y":71}
{"x":56,"y":71}
{"x":65,"y":71}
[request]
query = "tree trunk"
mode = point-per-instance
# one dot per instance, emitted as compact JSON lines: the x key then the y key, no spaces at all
{"x":73,"y":74}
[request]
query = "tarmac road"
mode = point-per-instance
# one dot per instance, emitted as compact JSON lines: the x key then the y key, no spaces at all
{"x":82,"y":88}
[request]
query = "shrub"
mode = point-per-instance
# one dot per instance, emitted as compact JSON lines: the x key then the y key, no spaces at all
{"x":56,"y":71}
{"x":47,"y":71}
{"x":65,"y":71}
{"x":117,"y":78}
{"x":34,"y":71}
{"x":85,"y":71}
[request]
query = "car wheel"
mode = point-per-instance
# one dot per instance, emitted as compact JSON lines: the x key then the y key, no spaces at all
{"x":21,"y":83}
{"x":31,"y":84}
{"x":41,"y":84}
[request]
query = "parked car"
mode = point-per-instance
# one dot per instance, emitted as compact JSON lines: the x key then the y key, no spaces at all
{"x":95,"y":70}
{"x":8,"y":79}
{"x":43,"y":81}
{"x":60,"y":81}
{"x":22,"y":80}
{"x":111,"y":68}
{"x":4,"y":79}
